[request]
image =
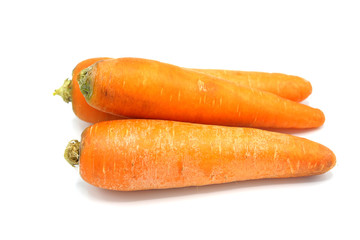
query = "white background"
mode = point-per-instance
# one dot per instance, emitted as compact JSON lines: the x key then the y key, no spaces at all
{"x":42,"y":41}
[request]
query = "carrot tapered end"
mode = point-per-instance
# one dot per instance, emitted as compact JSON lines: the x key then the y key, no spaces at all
{"x":327,"y":160}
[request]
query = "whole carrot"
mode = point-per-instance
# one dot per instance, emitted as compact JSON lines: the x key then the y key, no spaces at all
{"x":70,"y":92}
{"x":140,"y":88}
{"x":287,"y":86}
{"x":139,"y":154}
{"x":290,"y":87}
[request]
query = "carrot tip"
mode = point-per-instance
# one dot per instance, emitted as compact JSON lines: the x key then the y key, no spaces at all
{"x":65,"y":91}
{"x":85,"y":82}
{"x":72,"y":152}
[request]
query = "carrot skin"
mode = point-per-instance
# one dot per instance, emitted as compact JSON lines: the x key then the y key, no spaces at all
{"x":140,"y":88}
{"x":135,"y":154}
{"x":287,"y":86}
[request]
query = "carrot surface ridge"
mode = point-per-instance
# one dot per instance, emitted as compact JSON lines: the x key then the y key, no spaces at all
{"x":141,"y":88}
{"x":136,"y":154}
{"x":287,"y":86}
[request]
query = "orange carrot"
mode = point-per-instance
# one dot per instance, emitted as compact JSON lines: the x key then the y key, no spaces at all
{"x":70,"y":92}
{"x":139,"y":154}
{"x":290,"y":87}
{"x":140,"y":88}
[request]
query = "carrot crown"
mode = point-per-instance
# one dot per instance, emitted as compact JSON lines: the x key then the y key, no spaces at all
{"x":84,"y":82}
{"x":65,"y":91}
{"x":72,"y":152}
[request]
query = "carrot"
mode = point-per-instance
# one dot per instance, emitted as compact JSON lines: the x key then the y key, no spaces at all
{"x":70,"y":92}
{"x":290,"y":87}
{"x":137,"y":154}
{"x":140,"y":88}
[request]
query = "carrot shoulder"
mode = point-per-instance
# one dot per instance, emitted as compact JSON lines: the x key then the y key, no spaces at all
{"x":135,"y":154}
{"x":141,"y":88}
{"x":70,"y":92}
{"x":287,"y":86}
